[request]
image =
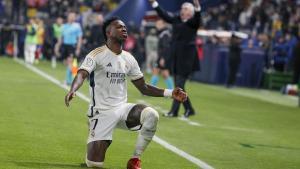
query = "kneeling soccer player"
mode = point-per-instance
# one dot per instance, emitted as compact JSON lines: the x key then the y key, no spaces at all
{"x":107,"y":68}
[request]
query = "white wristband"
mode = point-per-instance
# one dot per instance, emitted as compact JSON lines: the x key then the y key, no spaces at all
{"x":168,"y":93}
{"x":198,"y":9}
{"x":154,"y":4}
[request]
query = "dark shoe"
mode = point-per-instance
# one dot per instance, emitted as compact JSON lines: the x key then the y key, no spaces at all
{"x":189,"y":113}
{"x":170,"y":114}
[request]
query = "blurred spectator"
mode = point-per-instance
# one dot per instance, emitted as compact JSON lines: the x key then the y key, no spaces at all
{"x":139,"y":52}
{"x":184,"y":52}
{"x":163,"y":63}
{"x":151,"y":42}
{"x":251,"y":42}
{"x":96,"y":38}
{"x":70,"y":43}
{"x":199,"y":45}
{"x":49,"y":41}
{"x":30,"y":41}
{"x":5,"y":36}
{"x":57,"y":27}
{"x":280,"y":51}
{"x":296,"y":65}
{"x":54,"y":33}
{"x":234,"y":59}
{"x":40,"y":38}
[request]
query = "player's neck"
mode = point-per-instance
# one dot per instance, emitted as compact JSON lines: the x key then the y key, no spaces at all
{"x":115,"y":47}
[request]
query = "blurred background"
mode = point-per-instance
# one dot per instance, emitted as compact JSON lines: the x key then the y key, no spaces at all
{"x":246,"y":95}
{"x":268,"y":31}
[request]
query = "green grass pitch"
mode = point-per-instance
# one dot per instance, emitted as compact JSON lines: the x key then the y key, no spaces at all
{"x":237,"y":128}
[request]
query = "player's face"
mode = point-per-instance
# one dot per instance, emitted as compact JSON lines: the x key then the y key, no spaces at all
{"x":118,"y":31}
{"x":71,"y":17}
{"x":186,"y":12}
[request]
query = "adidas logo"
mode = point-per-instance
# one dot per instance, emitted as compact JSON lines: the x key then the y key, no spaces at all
{"x":109,"y":65}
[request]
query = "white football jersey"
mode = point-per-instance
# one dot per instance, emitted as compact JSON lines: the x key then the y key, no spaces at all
{"x":108,"y":71}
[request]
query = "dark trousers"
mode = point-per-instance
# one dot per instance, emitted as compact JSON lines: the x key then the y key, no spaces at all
{"x":233,"y":69}
{"x":296,"y":71}
{"x":180,"y":82}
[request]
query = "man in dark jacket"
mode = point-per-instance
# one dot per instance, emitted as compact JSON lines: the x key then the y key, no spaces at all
{"x":296,"y":63}
{"x":234,"y":59}
{"x":184,"y":53}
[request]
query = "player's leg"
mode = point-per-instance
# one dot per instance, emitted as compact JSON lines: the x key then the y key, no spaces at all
{"x":96,"y":151}
{"x":155,"y":78}
{"x":101,"y":128}
{"x":168,"y":80}
{"x":147,"y":117}
{"x":26,"y":52}
{"x":32,"y":49}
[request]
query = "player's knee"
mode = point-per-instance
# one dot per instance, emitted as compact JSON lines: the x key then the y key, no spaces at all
{"x":93,"y":163}
{"x":149,"y":117}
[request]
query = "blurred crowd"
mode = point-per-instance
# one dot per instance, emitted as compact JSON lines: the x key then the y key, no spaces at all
{"x":39,"y":22}
{"x":272,"y":25}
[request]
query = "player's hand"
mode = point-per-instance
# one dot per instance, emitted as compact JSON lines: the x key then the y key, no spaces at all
{"x":151,"y":1}
{"x":196,"y":3}
{"x":69,"y":97}
{"x":179,"y":95}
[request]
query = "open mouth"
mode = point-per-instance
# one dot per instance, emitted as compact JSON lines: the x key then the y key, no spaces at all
{"x":125,"y":34}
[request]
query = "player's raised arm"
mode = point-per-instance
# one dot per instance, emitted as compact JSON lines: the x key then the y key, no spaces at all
{"x":150,"y":90}
{"x":76,"y":84}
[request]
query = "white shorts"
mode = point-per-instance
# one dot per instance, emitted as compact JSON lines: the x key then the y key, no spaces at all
{"x":103,"y":123}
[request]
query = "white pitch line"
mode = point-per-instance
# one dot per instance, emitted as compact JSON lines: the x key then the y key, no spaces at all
{"x":158,"y":140}
{"x":182,"y":153}
{"x":240,"y":129}
{"x":190,"y":122}
{"x":195,"y":124}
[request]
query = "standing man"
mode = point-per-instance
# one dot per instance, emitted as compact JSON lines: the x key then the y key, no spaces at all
{"x":57,"y":31}
{"x":184,"y":52}
{"x":234,"y":59}
{"x":163,"y":64}
{"x":70,"y":41}
{"x":107,"y":68}
{"x":30,"y":41}
{"x":151,"y":44}
{"x":96,"y":38}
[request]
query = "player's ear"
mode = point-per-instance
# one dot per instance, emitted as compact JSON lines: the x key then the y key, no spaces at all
{"x":108,"y":32}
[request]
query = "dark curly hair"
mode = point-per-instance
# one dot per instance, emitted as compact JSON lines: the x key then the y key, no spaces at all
{"x":106,"y":23}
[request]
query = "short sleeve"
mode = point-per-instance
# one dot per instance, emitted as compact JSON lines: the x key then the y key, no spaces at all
{"x":63,"y":30}
{"x":89,"y":64}
{"x":135,"y":72}
{"x":79,"y":31}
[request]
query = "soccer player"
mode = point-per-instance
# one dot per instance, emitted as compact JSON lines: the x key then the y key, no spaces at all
{"x":107,"y":68}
